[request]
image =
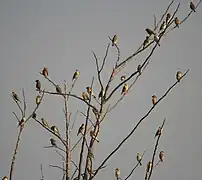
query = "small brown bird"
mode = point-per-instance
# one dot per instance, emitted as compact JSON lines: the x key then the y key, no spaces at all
{"x":154,"y":100}
{"x":55,"y":130}
{"x":101,"y":94}
{"x":158,"y":132}
{"x":34,"y":115}
{"x":161,"y":156}
{"x":177,"y":22}
{"x":93,"y":136}
{"x":117,"y":173}
{"x":114,"y":40}
{"x":58,"y":89}
{"x":76,"y":75}
{"x":125,"y":89}
{"x":81,"y":128}
{"x":5,"y":178}
{"x":149,"y":166}
{"x":90,"y":91}
{"x":149,"y":31}
{"x":53,"y":142}
{"x":44,"y":122}
{"x":38,"y":85}
{"x":85,"y":96}
{"x":15,"y":97}
{"x":192,"y":6}
{"x":139,"y":69}
{"x":146,"y":42}
{"x":21,"y":123}
{"x":45,"y":72}
{"x":123,"y":78}
{"x":139,"y":158}
{"x":179,"y":76}
{"x":168,"y":17}
{"x":38,"y":100}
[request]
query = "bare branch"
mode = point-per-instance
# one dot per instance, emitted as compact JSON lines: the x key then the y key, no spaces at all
{"x":16,"y":116}
{"x":41,"y":169}
{"x":56,"y":166}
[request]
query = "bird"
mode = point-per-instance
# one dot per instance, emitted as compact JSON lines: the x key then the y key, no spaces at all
{"x":15,"y":97}
{"x":93,"y":136}
{"x":55,"y":130}
{"x":146,"y":42}
{"x":5,"y":178}
{"x":44,"y":122}
{"x":81,"y":128}
{"x":53,"y":142}
{"x":90,"y":91}
{"x":76,"y":75}
{"x":123,"y":78}
{"x":21,"y":123}
{"x":149,"y":31}
{"x":85,"y":96}
{"x":58,"y":89}
{"x":162,"y":27}
{"x":179,"y":76}
{"x":156,"y":39}
{"x":125,"y":89}
{"x":38,"y":100}
{"x":177,"y":22}
{"x":149,"y":166}
{"x":45,"y":72}
{"x":192,"y":6}
{"x":139,"y":158}
{"x":114,"y":40}
{"x":158,"y":132}
{"x":168,"y":17}
{"x":34,"y":115}
{"x":139,"y":69}
{"x":38,"y":85}
{"x":161,"y":156}
{"x":101,"y":94}
{"x":117,"y":173}
{"x":154,"y":100}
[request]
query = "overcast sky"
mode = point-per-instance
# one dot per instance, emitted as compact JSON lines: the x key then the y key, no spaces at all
{"x":61,"y":35}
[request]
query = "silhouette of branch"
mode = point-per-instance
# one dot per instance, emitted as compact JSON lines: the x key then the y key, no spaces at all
{"x":136,"y":126}
{"x":41,"y":169}
{"x":56,"y":166}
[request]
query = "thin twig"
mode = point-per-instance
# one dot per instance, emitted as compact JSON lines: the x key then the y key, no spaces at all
{"x":41,"y":169}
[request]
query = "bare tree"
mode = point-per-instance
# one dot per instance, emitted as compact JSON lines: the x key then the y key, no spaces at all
{"x":101,"y":105}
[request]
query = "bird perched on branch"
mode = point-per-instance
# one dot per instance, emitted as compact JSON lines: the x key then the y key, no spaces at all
{"x":85,"y":96}
{"x":192,"y":6}
{"x":5,"y":178}
{"x":158,"y":132}
{"x":15,"y":97}
{"x":90,"y":91}
{"x":117,"y":173}
{"x":81,"y":128}
{"x":93,"y":136}
{"x":168,"y":17}
{"x":139,"y":158}
{"x":154,"y":100}
{"x":34,"y":115}
{"x":149,"y":166}
{"x":156,"y":39}
{"x":177,"y":22}
{"x":161,"y":156}
{"x":22,"y":121}
{"x":125,"y":89}
{"x":179,"y":76}
{"x":38,"y":100}
{"x":114,"y":40}
{"x":101,"y":94}
{"x":45,"y":72}
{"x":44,"y":122}
{"x":53,"y":142}
{"x":146,"y":42}
{"x":55,"y":130}
{"x":38,"y":85}
{"x":58,"y":89}
{"x":76,"y":75}
{"x":149,"y":31}
{"x":162,"y":27}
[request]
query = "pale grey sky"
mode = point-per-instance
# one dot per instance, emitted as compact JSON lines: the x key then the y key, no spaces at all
{"x":61,"y":35}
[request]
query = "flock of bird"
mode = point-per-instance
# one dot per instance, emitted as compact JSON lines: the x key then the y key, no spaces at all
{"x":90,"y":92}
